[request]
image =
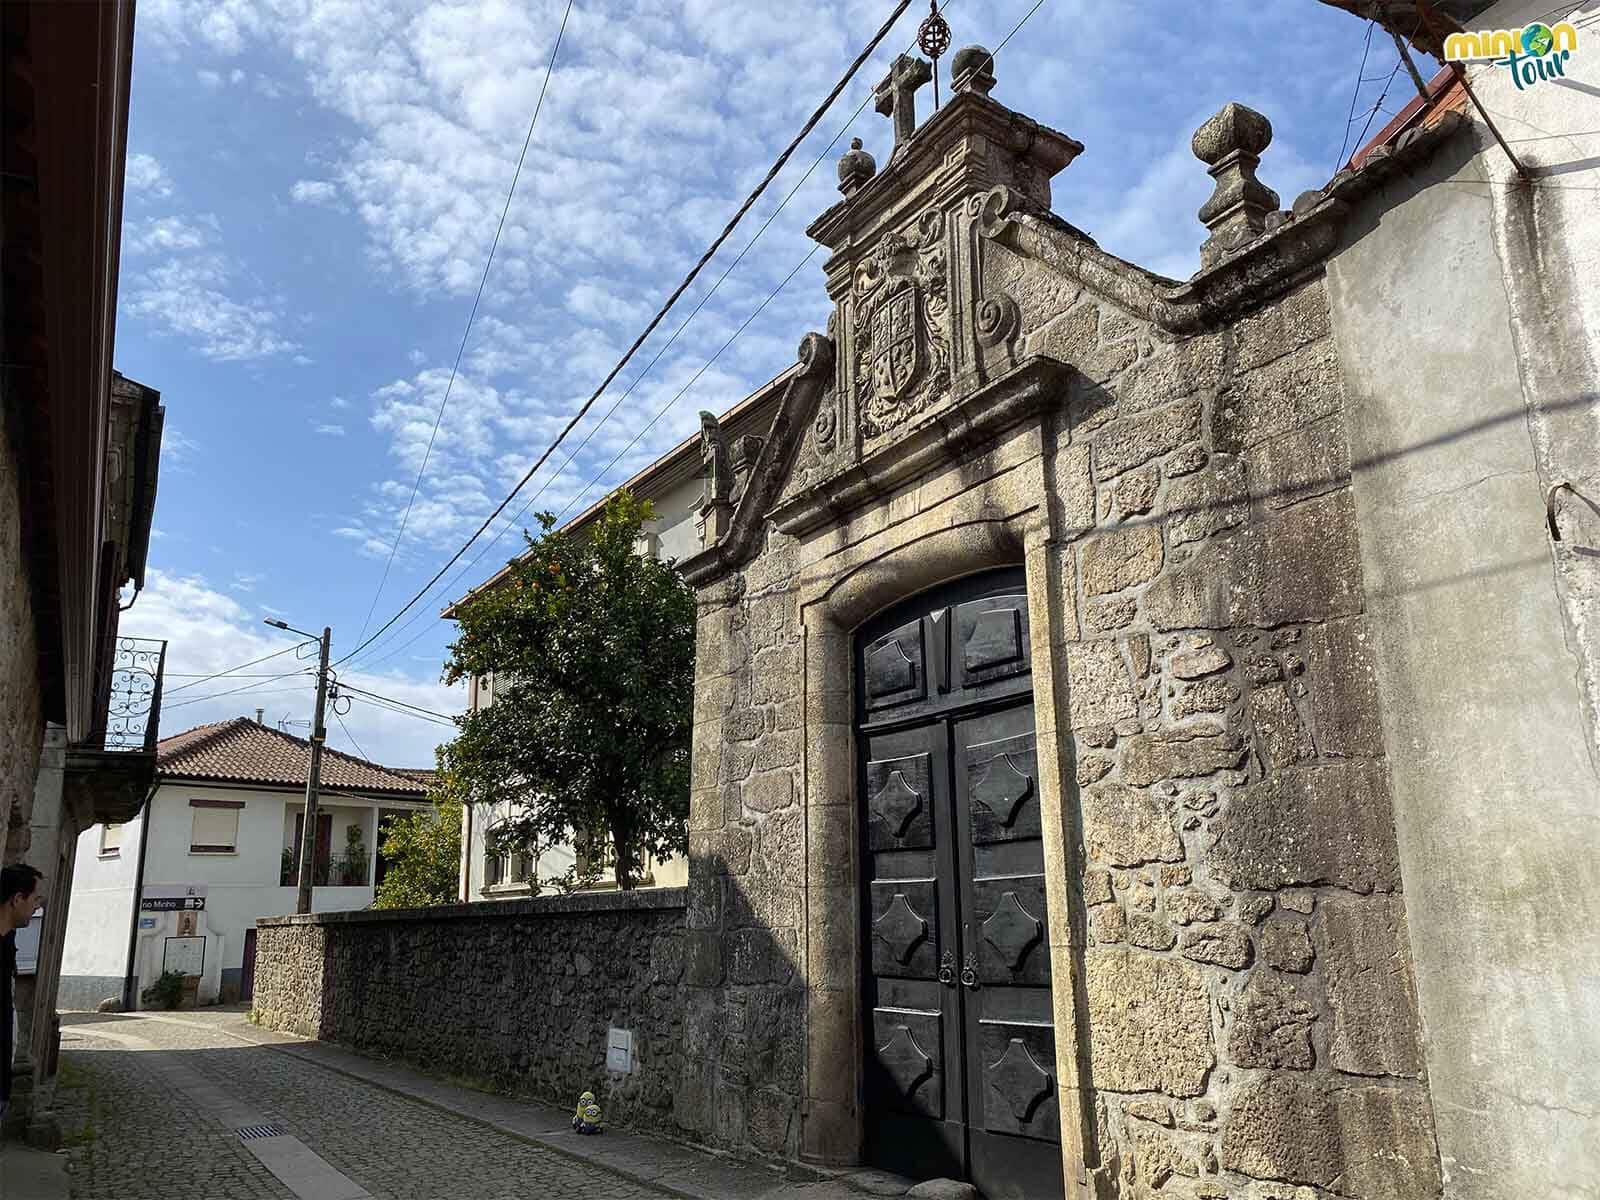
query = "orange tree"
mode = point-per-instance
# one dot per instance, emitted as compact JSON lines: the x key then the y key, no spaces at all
{"x":591,"y":649}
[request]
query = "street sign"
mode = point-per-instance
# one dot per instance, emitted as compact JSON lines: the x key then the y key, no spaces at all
{"x":173,"y":897}
{"x":172,"y":904}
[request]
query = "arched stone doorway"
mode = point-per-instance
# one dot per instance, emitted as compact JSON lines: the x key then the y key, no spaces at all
{"x":959,"y":1067}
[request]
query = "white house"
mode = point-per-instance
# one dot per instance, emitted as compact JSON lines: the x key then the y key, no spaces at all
{"x":675,"y":484}
{"x":225,"y":821}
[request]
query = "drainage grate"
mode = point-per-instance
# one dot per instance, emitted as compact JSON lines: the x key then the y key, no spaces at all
{"x":251,"y":1132}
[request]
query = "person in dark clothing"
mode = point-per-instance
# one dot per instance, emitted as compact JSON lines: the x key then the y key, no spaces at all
{"x":20,"y":897}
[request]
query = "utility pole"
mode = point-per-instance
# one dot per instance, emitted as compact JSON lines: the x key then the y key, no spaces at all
{"x":319,"y":735}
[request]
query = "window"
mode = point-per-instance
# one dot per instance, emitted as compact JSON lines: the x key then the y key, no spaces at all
{"x":216,"y":826}
{"x":110,"y":841}
{"x":502,"y":863}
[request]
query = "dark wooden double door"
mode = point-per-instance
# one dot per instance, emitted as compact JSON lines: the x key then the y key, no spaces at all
{"x":960,"y":1074}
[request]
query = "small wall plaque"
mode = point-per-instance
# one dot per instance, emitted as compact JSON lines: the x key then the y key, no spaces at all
{"x":619,"y":1051}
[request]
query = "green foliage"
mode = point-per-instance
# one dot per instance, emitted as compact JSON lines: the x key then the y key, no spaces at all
{"x":166,"y":991}
{"x":423,"y":850}
{"x":591,"y":646}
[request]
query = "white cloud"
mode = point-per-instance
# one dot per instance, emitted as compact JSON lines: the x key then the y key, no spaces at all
{"x":176,"y":447}
{"x":328,"y":430}
{"x":209,"y":631}
{"x":185,"y":296}
{"x":165,"y":235}
{"x":314,"y":191}
{"x":146,"y":175}
{"x":339,"y":402}
{"x":210,"y":79}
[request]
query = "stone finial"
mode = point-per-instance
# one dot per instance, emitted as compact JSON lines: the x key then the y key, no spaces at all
{"x":1230,"y":144}
{"x":896,"y":96}
{"x":972,"y":70}
{"x":856,"y":166}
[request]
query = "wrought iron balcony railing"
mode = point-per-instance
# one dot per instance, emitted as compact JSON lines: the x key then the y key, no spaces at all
{"x":133,"y":710}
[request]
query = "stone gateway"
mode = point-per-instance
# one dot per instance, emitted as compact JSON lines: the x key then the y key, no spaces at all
{"x":1068,"y":656}
{"x":1037,"y":798}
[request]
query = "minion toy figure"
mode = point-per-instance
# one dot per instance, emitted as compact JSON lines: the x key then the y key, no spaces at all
{"x":588,"y":1118}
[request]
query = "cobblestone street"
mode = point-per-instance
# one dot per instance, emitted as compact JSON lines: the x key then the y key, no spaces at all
{"x":152,"y":1106}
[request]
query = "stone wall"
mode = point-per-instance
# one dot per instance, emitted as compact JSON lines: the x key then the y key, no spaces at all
{"x":1250,"y":1006}
{"x":21,"y":716}
{"x":517,"y":995}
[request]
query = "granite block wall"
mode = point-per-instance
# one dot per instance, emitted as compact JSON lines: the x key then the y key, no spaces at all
{"x":518,"y":995}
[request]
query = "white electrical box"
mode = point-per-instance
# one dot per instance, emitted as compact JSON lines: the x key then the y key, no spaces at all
{"x":619,"y":1051}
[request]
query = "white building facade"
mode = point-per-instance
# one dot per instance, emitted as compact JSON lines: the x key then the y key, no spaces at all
{"x":674,"y":483}
{"x":217,"y":847}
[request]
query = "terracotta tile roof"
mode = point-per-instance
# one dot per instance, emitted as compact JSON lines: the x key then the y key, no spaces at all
{"x":245,"y":751}
{"x":1445,"y":95}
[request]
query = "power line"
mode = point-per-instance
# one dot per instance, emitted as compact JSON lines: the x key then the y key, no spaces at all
{"x":415,"y":716}
{"x":427,"y":712}
{"x":253,"y":662}
{"x":1355,"y":94}
{"x":681,"y":391}
{"x":351,"y":736}
{"x":1361,"y":139}
{"x":656,"y":320}
{"x":195,"y":675}
{"x":471,"y":316}
{"x":514,"y":521}
{"x":232,"y":692}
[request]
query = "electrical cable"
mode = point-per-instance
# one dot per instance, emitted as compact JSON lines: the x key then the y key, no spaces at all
{"x":471,"y":317}
{"x":352,"y":738}
{"x":416,"y":716}
{"x":514,"y":521}
{"x":165,"y":707}
{"x":1355,"y":95}
{"x":240,"y":667}
{"x":1025,"y":16}
{"x":655,"y":321}
{"x":428,"y":712}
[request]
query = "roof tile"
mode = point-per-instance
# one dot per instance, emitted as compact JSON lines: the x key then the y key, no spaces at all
{"x":245,"y":751}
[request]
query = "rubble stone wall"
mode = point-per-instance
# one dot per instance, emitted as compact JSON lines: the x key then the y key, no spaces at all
{"x":1249,"y":1006}
{"x":518,"y":995}
{"x":21,"y":715}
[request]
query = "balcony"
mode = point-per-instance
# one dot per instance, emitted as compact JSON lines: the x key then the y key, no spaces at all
{"x":109,"y":775}
{"x":338,"y":870}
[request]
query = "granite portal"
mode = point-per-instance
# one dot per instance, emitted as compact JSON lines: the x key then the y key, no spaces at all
{"x":1041,"y":797}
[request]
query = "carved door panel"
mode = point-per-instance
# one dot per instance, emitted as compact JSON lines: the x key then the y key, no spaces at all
{"x":960,"y":1052}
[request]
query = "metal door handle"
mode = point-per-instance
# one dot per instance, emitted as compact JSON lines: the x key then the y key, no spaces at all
{"x":947,"y":969}
{"x":969,"y":971}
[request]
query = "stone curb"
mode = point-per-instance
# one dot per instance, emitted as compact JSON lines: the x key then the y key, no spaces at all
{"x":29,"y":1174}
{"x":658,"y":1163}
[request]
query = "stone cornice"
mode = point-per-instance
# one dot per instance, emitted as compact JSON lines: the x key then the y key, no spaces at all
{"x":1294,"y":245}
{"x":944,"y":435}
{"x":926,"y":156}
{"x":805,"y":387}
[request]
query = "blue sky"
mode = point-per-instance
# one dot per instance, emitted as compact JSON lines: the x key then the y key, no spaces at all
{"x":313,"y":186}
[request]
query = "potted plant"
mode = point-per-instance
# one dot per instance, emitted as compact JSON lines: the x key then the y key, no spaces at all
{"x":355,"y":857}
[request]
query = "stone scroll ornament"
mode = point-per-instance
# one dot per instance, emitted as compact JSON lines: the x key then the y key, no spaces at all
{"x":902,"y":327}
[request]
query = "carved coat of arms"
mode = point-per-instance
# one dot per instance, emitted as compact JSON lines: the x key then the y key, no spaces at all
{"x":902,"y":361}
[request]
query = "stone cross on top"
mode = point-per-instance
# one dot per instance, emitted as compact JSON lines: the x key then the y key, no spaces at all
{"x":896,"y":95}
